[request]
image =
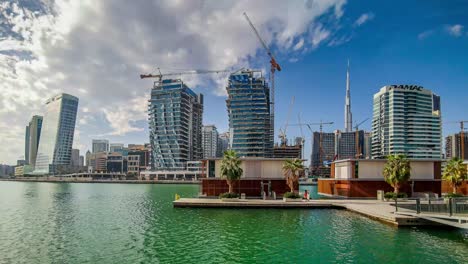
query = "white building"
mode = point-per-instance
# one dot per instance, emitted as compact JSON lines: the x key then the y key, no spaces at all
{"x":210,"y":141}
{"x":406,"y":120}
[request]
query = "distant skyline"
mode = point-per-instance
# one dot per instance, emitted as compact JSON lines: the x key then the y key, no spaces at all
{"x":96,"y":52}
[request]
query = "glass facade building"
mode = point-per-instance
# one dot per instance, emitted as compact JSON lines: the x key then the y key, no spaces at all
{"x":406,"y":120}
{"x":58,"y":128}
{"x":100,"y":145}
{"x":35,"y":126}
{"x":248,"y":105}
{"x":175,"y":124}
{"x":210,"y":141}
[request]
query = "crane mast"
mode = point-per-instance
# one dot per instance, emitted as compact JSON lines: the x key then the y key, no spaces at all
{"x":274,"y":66}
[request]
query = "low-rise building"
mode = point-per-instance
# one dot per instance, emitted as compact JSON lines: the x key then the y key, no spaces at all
{"x":364,"y":177}
{"x":23,"y":170}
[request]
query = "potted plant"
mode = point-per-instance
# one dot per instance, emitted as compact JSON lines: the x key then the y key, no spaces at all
{"x":292,"y":169}
{"x":455,"y":173}
{"x":396,"y":172}
{"x":231,"y":171}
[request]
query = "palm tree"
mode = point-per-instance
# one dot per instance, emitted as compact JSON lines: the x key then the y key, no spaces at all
{"x":455,"y":173}
{"x":397,"y":171}
{"x":230,"y":168}
{"x":292,"y":169}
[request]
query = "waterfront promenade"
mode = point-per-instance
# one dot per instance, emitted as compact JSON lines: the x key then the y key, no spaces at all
{"x":378,"y":210}
{"x":91,"y":180}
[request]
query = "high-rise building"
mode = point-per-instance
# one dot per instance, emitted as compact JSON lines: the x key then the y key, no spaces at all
{"x":88,"y":158}
{"x":100,"y":145}
{"x":367,"y":145}
{"x":210,"y":141}
{"x":349,"y":145}
{"x":35,"y":127}
{"x":406,"y":120}
{"x":81,"y":161}
{"x":348,"y":114}
{"x":175,"y":124}
{"x":58,"y":129}
{"x":453,"y":146}
{"x":116,"y":147}
{"x":323,"y":148}
{"x":75,"y":158}
{"x":26,"y":145}
{"x":248,"y":106}
{"x":223,"y":143}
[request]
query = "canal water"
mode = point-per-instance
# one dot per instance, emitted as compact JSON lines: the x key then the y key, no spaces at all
{"x":136,"y":223}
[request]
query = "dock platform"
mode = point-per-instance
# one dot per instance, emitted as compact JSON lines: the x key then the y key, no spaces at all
{"x":378,"y":210}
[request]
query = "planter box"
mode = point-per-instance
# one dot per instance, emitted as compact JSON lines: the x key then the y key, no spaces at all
{"x":292,"y":199}
{"x":230,"y":199}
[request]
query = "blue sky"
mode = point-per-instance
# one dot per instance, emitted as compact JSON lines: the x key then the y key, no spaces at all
{"x":46,"y":48}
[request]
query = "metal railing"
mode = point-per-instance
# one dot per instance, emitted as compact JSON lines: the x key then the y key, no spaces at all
{"x":456,"y":206}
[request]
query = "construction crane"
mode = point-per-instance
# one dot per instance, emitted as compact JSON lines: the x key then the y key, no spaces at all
{"x":302,"y":135}
{"x":462,"y":137}
{"x":282,"y":132}
{"x":274,"y":66}
{"x":309,"y":126}
{"x":160,"y":75}
{"x":358,"y":146}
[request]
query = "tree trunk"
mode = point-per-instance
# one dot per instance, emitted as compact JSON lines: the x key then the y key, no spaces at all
{"x":396,"y":188}
{"x":230,"y":186}
{"x":454,"y":189}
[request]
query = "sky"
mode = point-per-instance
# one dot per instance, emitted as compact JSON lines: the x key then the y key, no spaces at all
{"x":96,"y":50}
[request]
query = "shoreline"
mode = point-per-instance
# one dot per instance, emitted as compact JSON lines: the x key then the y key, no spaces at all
{"x":62,"y":180}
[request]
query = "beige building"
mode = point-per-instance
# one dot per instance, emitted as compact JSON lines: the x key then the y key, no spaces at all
{"x":254,"y":168}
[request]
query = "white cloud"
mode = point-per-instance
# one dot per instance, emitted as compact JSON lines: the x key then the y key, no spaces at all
{"x":425,"y":34}
{"x":455,"y":30}
{"x":364,"y":18}
{"x":97,"y":49}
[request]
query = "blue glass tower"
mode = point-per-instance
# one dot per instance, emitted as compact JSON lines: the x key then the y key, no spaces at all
{"x":58,"y":128}
{"x":248,"y":107}
{"x":175,"y":123}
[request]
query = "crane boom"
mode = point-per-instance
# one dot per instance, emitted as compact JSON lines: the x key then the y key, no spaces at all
{"x":150,"y":75}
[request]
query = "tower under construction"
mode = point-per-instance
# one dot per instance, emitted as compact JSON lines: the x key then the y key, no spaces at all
{"x":248,"y":106}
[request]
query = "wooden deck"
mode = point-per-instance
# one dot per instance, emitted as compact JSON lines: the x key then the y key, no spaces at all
{"x":378,"y":210}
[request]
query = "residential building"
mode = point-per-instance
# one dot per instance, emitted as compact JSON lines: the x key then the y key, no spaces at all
{"x":75,"y":158}
{"x":6,"y":170}
{"x":133,"y":164}
{"x":175,"y":124}
{"x":406,"y":120}
{"x":453,"y":146}
{"x":210,"y":141}
{"x":26,"y":145}
{"x":248,"y":106}
{"x":23,"y":170}
{"x":116,"y":147}
{"x":58,"y":129}
{"x":115,"y":163}
{"x":349,"y":145}
{"x":81,"y":163}
{"x":98,"y":161}
{"x":223,"y":143}
{"x":323,"y":148}
{"x":100,"y":145}
{"x":34,"y":131}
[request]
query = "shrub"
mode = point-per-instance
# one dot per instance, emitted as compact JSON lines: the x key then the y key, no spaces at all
{"x":291,"y":195}
{"x":228,"y":195}
{"x":453,"y":195}
{"x":392,"y":195}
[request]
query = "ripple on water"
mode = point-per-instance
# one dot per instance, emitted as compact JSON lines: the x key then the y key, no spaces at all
{"x":117,"y":223}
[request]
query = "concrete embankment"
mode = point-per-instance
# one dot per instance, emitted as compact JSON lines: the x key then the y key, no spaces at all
{"x":84,"y":180}
{"x":378,"y":210}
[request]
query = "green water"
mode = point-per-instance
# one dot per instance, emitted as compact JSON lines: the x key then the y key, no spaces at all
{"x":133,"y":223}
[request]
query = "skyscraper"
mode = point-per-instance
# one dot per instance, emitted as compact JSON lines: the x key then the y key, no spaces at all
{"x":453,"y":146}
{"x":175,"y":124}
{"x":26,"y":145}
{"x":248,"y":106}
{"x":100,"y":145}
{"x":210,"y":141}
{"x":348,"y":114}
{"x":406,"y":120}
{"x":223,"y":143}
{"x":75,"y":159}
{"x":57,"y":133}
{"x":35,"y":127}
